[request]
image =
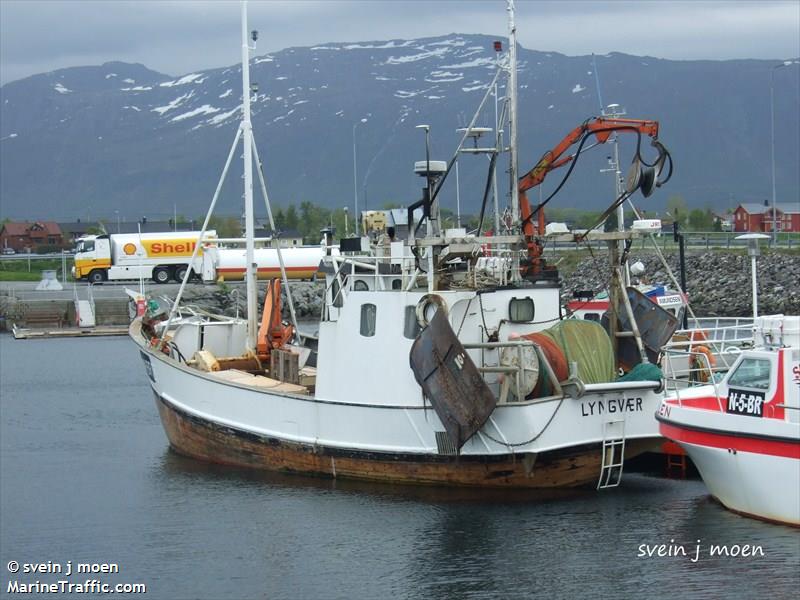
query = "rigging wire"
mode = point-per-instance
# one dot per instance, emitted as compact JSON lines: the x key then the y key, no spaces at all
{"x":489,"y":178}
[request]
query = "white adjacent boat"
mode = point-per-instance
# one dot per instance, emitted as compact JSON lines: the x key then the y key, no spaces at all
{"x":743,"y":432}
{"x":431,"y":365}
{"x":592,"y":307}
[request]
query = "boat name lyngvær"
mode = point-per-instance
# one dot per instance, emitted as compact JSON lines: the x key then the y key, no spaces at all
{"x":615,"y":405}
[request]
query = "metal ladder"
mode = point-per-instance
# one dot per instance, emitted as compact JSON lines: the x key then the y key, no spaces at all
{"x":613,"y":455}
{"x":84,"y":309}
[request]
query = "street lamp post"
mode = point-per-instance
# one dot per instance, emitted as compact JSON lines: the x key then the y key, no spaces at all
{"x":785,"y":63}
{"x":355,"y":176}
{"x":753,"y":251}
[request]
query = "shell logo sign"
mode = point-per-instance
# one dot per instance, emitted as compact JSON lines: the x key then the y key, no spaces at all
{"x":129,"y":249}
{"x":159,"y":248}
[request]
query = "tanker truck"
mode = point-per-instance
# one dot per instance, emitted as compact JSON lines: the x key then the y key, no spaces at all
{"x":156,"y":256}
{"x":228,"y":264}
{"x":165,"y":256}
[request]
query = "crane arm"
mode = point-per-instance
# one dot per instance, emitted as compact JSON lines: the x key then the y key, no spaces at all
{"x":602,"y":129}
{"x":599,"y":127}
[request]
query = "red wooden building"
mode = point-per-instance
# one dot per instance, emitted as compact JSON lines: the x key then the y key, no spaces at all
{"x":29,"y":237}
{"x":758,"y":217}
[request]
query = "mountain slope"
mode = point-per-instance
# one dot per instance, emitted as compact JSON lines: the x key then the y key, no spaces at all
{"x":92,"y":140}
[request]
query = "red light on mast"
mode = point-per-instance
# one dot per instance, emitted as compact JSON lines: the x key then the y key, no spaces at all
{"x":498,"y":46}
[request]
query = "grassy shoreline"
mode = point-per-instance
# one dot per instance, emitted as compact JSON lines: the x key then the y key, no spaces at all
{"x":20,"y":269}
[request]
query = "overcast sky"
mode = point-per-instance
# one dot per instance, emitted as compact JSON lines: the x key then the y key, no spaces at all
{"x":180,"y":36}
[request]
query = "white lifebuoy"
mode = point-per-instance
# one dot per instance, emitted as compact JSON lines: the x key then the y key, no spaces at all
{"x":427,"y":306}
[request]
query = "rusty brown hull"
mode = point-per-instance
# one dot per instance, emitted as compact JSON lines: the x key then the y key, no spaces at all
{"x":208,"y":441}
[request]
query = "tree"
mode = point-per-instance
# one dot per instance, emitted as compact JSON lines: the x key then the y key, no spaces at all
{"x":226,"y":227}
{"x":291,"y":218}
{"x":471,"y":222}
{"x":677,"y":208}
{"x":448,"y":218}
{"x":279,"y":218}
{"x":312,"y":219}
{"x":700,"y":220}
{"x":585,"y":220}
{"x":337,"y":220}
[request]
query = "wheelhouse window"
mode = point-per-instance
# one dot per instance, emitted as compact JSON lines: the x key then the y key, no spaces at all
{"x":520,"y":310}
{"x":592,"y":317}
{"x":359,"y":285}
{"x":411,"y":326}
{"x":751,"y":373}
{"x":368,"y":315}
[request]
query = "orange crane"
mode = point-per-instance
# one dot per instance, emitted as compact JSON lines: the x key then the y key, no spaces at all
{"x":272,"y":334}
{"x":601,"y":128}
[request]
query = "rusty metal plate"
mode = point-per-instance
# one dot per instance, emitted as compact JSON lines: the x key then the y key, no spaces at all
{"x":656,"y":326}
{"x":450,"y":380}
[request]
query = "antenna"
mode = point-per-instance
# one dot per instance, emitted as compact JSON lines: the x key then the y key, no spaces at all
{"x":597,"y":82}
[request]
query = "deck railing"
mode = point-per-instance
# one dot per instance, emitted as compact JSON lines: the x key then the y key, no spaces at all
{"x":702,"y":355}
{"x":350,"y":271}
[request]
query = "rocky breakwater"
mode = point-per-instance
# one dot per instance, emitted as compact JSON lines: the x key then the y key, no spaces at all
{"x":718,"y":283}
{"x":231,"y":301}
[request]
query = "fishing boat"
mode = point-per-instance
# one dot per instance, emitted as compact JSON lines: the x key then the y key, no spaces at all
{"x":743,"y":432}
{"x":434,"y":363}
{"x":592,"y":307}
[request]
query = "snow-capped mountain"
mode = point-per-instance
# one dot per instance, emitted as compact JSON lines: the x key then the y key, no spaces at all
{"x":92,"y":140}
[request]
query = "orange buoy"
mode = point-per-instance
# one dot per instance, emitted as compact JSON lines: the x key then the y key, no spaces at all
{"x":702,"y":367}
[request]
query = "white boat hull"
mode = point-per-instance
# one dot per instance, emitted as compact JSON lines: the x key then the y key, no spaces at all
{"x":744,"y":482}
{"x":550,"y":443}
{"x":743,"y":433}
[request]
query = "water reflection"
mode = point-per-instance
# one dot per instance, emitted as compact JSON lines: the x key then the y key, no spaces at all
{"x":87,"y":474}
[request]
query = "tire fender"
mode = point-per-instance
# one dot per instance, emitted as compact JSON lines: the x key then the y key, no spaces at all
{"x":424,"y":306}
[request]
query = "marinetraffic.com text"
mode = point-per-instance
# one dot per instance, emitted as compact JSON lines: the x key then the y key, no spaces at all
{"x":77,"y":578}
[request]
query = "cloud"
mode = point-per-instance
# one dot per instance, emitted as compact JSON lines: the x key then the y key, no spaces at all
{"x":177,"y":37}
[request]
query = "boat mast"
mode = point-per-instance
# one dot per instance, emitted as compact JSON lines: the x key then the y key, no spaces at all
{"x":512,"y":109}
{"x":497,"y":148}
{"x":247,"y":131}
{"x":615,"y":111}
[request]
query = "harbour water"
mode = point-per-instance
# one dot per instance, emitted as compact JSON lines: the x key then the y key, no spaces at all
{"x":86,"y":476}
